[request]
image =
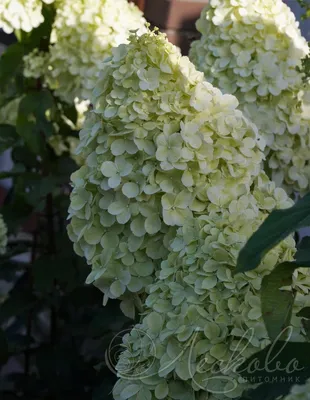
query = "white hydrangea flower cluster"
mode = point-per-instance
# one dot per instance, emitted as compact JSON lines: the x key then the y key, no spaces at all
{"x":201,"y":322}
{"x":21,"y":14}
{"x":160,"y":145}
{"x":252,"y":49}
{"x":170,"y":191}
{"x":3,"y":236}
{"x":36,"y":64}
{"x":299,"y":392}
{"x":83,"y":34}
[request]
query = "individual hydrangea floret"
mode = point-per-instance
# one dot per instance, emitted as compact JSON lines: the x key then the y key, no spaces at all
{"x":3,"y":236}
{"x":254,"y":50}
{"x":83,"y":34}
{"x":21,"y":14}
{"x":160,"y":145}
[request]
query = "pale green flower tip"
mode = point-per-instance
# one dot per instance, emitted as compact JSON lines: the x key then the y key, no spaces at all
{"x":251,"y":50}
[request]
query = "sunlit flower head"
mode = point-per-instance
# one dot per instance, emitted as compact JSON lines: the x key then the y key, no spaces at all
{"x":83,"y":35}
{"x":21,"y":14}
{"x":253,"y":49}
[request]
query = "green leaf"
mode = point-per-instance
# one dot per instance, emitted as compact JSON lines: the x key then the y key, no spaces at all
{"x":278,"y":225}
{"x":31,"y":134}
{"x":303,"y":253}
{"x":17,"y":170}
{"x":36,"y":103}
{"x":38,"y":188}
{"x":16,"y":212}
{"x":280,"y":359}
{"x":268,"y":391}
{"x":40,"y":36}
{"x":10,"y":61}
{"x":32,"y":123}
{"x":22,"y":155}
{"x":277,"y":304}
{"x":304,"y":313}
{"x":8,"y":137}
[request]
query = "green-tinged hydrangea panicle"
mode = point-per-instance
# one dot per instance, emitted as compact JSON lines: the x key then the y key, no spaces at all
{"x":299,"y":392}
{"x":170,"y":191}
{"x":83,"y":34}
{"x":3,"y":235}
{"x":160,"y":145}
{"x":21,"y":14}
{"x":254,"y":49}
{"x":200,"y":321}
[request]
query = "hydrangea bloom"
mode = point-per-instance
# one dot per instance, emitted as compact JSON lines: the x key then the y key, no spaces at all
{"x":253,"y":49}
{"x":3,"y":236}
{"x":83,"y":34}
{"x":299,"y":392}
{"x":21,"y":14}
{"x":200,"y":321}
{"x":36,"y":64}
{"x":170,"y":191}
{"x":160,"y":144}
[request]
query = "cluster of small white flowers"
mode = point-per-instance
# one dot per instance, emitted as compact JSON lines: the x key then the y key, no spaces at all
{"x":83,"y":34}
{"x":299,"y":392}
{"x":200,"y":319}
{"x":3,"y":235}
{"x":158,"y":148}
{"x":35,"y":64}
{"x":21,"y":14}
{"x":170,"y":191}
{"x":253,"y":49}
